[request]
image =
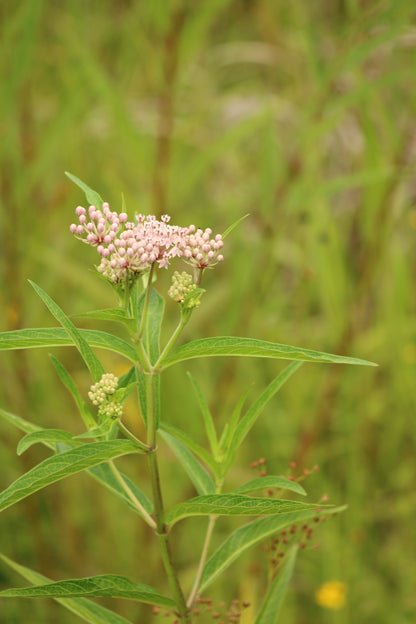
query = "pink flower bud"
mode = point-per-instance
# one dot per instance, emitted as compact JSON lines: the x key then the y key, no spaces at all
{"x":80,"y":211}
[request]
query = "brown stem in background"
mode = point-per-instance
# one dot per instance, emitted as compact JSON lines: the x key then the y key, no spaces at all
{"x":357,"y":318}
{"x":166,"y":103}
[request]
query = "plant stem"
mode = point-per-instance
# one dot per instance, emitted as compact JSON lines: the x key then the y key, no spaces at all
{"x":171,"y":342}
{"x":160,"y":528}
{"x":146,"y":517}
{"x":204,"y":553}
{"x":146,"y":304}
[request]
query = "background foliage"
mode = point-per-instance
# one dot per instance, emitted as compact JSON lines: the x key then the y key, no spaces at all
{"x":299,"y":113}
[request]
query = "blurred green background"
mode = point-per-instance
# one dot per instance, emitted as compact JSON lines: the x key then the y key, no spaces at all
{"x":302,"y":114}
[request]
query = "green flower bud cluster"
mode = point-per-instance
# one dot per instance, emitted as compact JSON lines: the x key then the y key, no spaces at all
{"x":182,"y":286}
{"x":100,"y":395}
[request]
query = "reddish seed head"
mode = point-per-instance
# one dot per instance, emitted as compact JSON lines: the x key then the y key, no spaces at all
{"x":270,"y":492}
{"x":246,"y":605}
{"x":197,"y":611}
{"x":254,"y":464}
{"x":302,"y":545}
{"x":262,"y":461}
{"x":292,"y":464}
{"x":263,"y":473}
{"x":306,"y":472}
{"x":315,"y":468}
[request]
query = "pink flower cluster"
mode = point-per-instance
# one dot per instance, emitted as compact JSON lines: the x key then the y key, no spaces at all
{"x":131,"y":248}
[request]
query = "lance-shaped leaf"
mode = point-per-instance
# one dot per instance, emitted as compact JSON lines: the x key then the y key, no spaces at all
{"x":69,"y":383}
{"x":232,"y":505}
{"x":251,"y":534}
{"x":48,"y":437}
{"x":93,"y":363}
{"x":267,"y":482}
{"x":85,"y":609}
{"x":155,"y":310}
{"x":270,"y":609}
{"x":248,"y":420}
{"x":63,"y":465}
{"x":206,"y":415}
{"x":197,"y":473}
{"x":58,"y":337}
{"x":101,"y":473}
{"x":20,"y":423}
{"x":107,"y":314}
{"x":105,"y":585}
{"x":232,"y":346}
{"x":196,"y":448}
{"x":91,"y":196}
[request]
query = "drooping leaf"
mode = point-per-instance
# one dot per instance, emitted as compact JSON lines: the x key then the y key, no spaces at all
{"x":63,"y":465}
{"x":206,"y":415}
{"x":248,"y":420}
{"x":20,"y":423}
{"x":93,"y":363}
{"x":232,"y":505}
{"x":85,"y":609}
{"x":249,"y":347}
{"x":101,"y":473}
{"x":269,"y":612}
{"x":92,"y":196}
{"x":51,"y":436}
{"x":251,"y":534}
{"x":105,"y":585}
{"x":269,"y":481}
{"x":197,"y":473}
{"x":69,"y":383}
{"x":58,"y":337}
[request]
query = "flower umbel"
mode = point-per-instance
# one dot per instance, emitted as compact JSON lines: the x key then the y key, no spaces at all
{"x":128,"y":249}
{"x":100,"y":395}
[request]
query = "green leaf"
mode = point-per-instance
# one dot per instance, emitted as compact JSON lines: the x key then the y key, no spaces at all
{"x":192,"y":445}
{"x":232,"y":505}
{"x":51,"y":436}
{"x":234,"y":225}
{"x":21,"y":423}
{"x":230,"y":427}
{"x":248,"y":420}
{"x":198,"y":475}
{"x":108,"y":314}
{"x":232,"y":346}
{"x":69,"y":383}
{"x":92,"y":196}
{"x":264,"y":483}
{"x":105,"y":476}
{"x":63,"y":465}
{"x":85,"y":609}
{"x":151,"y":335}
{"x":58,"y":337}
{"x":105,"y":585}
{"x":93,"y":363}
{"x":101,"y":473}
{"x":206,"y":415}
{"x":269,"y":612}
{"x":251,"y":534}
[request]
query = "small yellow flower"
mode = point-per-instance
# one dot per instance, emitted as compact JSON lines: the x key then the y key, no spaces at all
{"x":331,"y":595}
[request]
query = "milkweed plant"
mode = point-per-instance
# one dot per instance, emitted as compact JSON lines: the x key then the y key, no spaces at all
{"x":130,"y":254}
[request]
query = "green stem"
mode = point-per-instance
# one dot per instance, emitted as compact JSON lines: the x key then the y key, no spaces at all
{"x":132,"y":497}
{"x":204,"y":554}
{"x":132,"y":437}
{"x":146,"y":304}
{"x":161,"y":528}
{"x":171,"y":342}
